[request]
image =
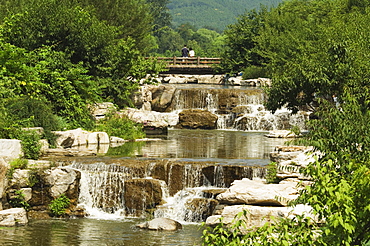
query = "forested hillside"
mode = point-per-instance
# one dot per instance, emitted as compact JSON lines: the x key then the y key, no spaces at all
{"x":212,"y":14}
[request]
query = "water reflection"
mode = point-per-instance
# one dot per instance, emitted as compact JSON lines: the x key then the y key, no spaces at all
{"x":204,"y":144}
{"x":87,"y":232}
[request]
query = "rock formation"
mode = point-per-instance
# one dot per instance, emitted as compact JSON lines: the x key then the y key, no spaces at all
{"x":161,"y":224}
{"x":261,"y":200}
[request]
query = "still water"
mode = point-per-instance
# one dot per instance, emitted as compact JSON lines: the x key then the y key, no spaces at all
{"x":93,"y":232}
{"x":248,"y":148}
{"x":217,"y":145}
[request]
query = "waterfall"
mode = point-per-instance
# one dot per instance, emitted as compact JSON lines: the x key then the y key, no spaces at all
{"x":179,"y":207}
{"x":237,"y":109}
{"x":173,"y":189}
{"x":219,"y":177}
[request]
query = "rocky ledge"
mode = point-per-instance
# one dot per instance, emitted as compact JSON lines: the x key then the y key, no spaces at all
{"x":262,"y":200}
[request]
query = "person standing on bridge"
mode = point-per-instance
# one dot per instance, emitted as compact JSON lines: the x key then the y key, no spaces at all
{"x":185,"y":51}
{"x":191,"y":52}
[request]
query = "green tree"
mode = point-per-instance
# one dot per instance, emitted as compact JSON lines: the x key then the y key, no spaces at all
{"x":316,"y":49}
{"x":240,"y":51}
{"x":115,"y":61}
{"x":159,"y":10}
{"x":132,"y":18}
{"x":47,"y":76}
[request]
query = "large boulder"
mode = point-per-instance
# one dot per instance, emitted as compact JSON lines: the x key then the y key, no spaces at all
{"x":142,"y":194}
{"x":97,"y":138}
{"x":61,"y":180}
{"x":10,"y":149}
{"x":161,"y":97}
{"x":71,"y":138}
{"x":79,"y":137}
{"x":161,"y":224}
{"x":13,"y":217}
{"x":151,"y":119}
{"x":257,"y":192}
{"x":20,"y":178}
{"x":100,"y":110}
{"x":197,"y":119}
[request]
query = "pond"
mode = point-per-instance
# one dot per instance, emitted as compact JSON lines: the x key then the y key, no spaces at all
{"x":216,"y":145}
{"x":88,"y":232}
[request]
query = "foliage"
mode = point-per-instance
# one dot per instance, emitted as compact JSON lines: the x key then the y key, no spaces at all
{"x":338,"y":197}
{"x":159,"y":10}
{"x":254,"y":72}
{"x":58,"y":205}
{"x":8,"y":128}
{"x":19,"y":164}
{"x":120,"y":126}
{"x":45,"y":77}
{"x":34,"y":177}
{"x":16,"y":164}
{"x":271,"y":173}
{"x":281,"y":231}
{"x":72,"y":56}
{"x":241,"y":47}
{"x":30,"y":141}
{"x":133,"y":18}
{"x":315,"y":50}
{"x":18,"y":201}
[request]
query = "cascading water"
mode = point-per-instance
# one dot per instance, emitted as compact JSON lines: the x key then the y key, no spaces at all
{"x":103,"y":188}
{"x":238,"y":109}
{"x":183,"y":206}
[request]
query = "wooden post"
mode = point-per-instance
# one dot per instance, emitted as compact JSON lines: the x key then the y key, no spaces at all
{"x":174,"y":60}
{"x":198,"y":60}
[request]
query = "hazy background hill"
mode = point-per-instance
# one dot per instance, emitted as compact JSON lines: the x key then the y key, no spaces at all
{"x":212,"y":14}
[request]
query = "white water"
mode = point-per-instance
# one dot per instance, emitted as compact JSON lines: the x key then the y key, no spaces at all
{"x":102,"y":190}
{"x":249,"y":113}
{"x":177,"y":207}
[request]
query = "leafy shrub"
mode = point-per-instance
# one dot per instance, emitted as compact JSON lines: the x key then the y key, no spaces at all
{"x":254,"y":72}
{"x":118,"y":126}
{"x":271,"y":173}
{"x":39,"y":112}
{"x":9,"y":129}
{"x":18,"y":201}
{"x":16,"y":164}
{"x":30,"y":141}
{"x":58,"y":205}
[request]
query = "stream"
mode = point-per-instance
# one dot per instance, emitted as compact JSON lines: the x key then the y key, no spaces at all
{"x":101,"y":228}
{"x":184,"y":161}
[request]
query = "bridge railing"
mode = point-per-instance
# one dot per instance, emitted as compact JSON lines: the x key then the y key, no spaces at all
{"x":186,"y":61}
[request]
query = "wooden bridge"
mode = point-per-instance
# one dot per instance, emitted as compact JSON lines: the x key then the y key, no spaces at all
{"x":190,"y":65}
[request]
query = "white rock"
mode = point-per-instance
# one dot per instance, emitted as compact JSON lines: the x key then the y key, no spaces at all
{"x":256,"y":192}
{"x":27,"y":192}
{"x":71,"y":138}
{"x":20,"y":177}
{"x":13,"y":217}
{"x":161,"y":224}
{"x":10,"y":149}
{"x":152,"y":118}
{"x":98,"y":138}
{"x":60,"y":180}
